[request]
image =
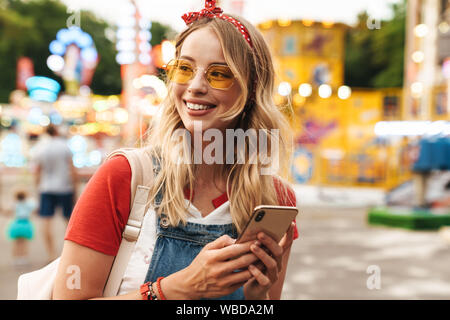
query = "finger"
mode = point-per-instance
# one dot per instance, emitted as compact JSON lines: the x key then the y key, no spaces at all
{"x":221,"y":242}
{"x":262,"y":279}
{"x":237,"y":278}
{"x":272,"y":266}
{"x":274,"y":249}
{"x":239,"y":263}
{"x":288,"y":238}
{"x":235,"y":250}
{"x":260,"y":265}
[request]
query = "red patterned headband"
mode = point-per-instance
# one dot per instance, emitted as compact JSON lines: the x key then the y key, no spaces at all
{"x":211,"y":11}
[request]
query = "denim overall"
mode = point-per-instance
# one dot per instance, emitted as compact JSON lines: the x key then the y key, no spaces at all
{"x":176,"y":247}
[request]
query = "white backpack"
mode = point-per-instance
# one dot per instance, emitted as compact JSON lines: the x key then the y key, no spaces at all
{"x":38,"y":285}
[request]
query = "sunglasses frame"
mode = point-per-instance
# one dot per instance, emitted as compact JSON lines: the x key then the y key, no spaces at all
{"x":195,"y":69}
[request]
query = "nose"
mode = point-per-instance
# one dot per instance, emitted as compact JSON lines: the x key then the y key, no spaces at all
{"x":198,"y":83}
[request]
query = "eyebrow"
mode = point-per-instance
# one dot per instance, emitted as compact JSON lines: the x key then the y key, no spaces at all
{"x":193,"y":60}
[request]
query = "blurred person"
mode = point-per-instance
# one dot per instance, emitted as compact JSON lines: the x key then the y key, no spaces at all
{"x":56,"y":181}
{"x":222,"y":78}
{"x":21,"y":229}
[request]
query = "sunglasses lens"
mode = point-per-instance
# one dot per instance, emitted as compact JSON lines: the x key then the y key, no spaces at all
{"x":179,"y":71}
{"x":220,"y":77}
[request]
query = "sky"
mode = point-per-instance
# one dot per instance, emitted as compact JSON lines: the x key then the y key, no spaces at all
{"x":169,"y":12}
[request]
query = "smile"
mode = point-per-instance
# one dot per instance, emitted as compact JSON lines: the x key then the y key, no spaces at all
{"x":194,"y":106}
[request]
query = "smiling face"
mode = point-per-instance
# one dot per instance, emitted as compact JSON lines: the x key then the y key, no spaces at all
{"x":197,"y":100}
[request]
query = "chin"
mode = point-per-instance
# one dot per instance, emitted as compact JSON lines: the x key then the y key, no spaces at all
{"x":189,"y":125}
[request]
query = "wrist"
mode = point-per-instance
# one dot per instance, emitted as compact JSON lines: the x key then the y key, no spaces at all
{"x":175,"y":287}
{"x":155,"y":291}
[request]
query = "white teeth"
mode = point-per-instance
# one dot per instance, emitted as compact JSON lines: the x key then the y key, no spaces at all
{"x":194,"y":106}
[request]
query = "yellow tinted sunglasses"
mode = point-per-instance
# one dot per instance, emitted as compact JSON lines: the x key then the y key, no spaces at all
{"x":218,"y":76}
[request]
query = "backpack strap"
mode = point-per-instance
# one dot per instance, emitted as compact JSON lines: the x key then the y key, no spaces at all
{"x":141,"y":165}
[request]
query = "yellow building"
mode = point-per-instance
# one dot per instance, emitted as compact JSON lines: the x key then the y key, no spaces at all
{"x":334,"y":124}
{"x":306,"y":51}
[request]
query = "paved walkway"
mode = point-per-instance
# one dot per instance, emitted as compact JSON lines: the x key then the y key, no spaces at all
{"x":38,"y":255}
{"x":329,"y":261}
{"x":336,"y":248}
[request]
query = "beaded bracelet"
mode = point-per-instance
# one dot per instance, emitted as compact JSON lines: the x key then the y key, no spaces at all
{"x":147,"y":291}
{"x":158,"y":285}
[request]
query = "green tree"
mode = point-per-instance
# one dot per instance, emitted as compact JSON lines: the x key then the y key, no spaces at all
{"x":28,"y":26}
{"x":358,"y":69}
{"x":18,"y":37}
{"x":374,"y":57}
{"x":388,"y":48}
{"x":107,"y":78}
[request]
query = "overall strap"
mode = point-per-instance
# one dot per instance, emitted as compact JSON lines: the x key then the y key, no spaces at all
{"x":141,"y":164}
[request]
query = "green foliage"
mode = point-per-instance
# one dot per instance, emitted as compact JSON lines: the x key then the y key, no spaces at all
{"x":160,"y":32}
{"x":106,"y":79}
{"x":374,"y":57}
{"x":19,"y":36}
{"x":28,"y":26}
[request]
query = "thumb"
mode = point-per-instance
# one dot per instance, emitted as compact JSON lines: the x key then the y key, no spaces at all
{"x":223,"y":241}
{"x":288,"y":238}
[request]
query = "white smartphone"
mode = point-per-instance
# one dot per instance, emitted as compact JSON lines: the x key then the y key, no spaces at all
{"x":272,"y":220}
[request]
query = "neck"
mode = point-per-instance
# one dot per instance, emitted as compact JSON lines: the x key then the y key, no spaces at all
{"x":207,"y":174}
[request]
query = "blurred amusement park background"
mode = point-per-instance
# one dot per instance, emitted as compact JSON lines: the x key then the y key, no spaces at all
{"x":368,"y":101}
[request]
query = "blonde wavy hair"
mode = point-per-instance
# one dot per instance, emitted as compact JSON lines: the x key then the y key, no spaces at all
{"x":246,"y":187}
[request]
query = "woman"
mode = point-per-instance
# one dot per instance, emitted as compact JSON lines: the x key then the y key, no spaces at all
{"x":222,"y":79}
